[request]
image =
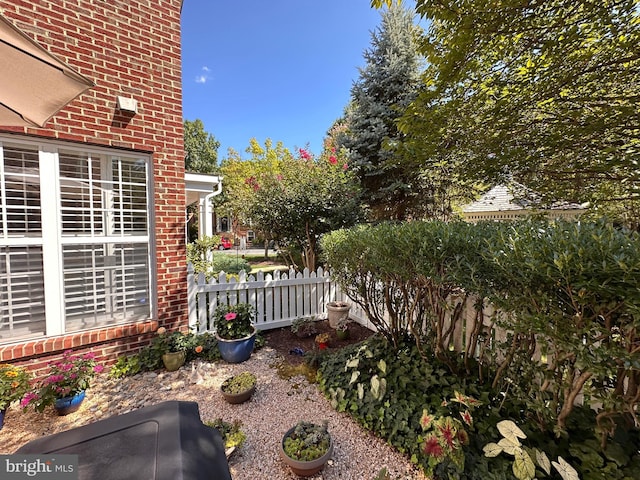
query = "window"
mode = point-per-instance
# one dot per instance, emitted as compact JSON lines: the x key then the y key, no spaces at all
{"x":74,"y":239}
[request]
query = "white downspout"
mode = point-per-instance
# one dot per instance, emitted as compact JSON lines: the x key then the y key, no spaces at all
{"x":208,"y":212}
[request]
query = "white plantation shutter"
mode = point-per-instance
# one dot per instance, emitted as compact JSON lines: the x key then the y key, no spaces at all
{"x":95,"y":237}
{"x":22,"y":306}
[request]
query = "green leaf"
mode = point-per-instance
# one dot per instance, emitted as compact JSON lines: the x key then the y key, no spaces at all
{"x":566,"y":471}
{"x":509,"y":446}
{"x":354,"y":377}
{"x":523,"y":467}
{"x":382,"y":365}
{"x":492,"y":450}
{"x":510,"y":430}
{"x":353,"y":363}
{"x":543,"y":461}
{"x":375,"y":386}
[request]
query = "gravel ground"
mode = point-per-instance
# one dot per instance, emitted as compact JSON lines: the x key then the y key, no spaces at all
{"x":277,"y":405}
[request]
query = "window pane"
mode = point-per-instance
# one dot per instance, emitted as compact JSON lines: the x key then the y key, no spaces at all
{"x":81,"y":198}
{"x":22,"y":312}
{"x":105,"y":284}
{"x":20,"y":193}
{"x":131,"y":196}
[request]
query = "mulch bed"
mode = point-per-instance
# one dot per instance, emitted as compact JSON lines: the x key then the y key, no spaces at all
{"x":286,"y":342}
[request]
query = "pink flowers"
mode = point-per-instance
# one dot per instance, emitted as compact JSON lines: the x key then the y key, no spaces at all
{"x":304,"y":154}
{"x":27,"y":399}
{"x":68,"y":376}
{"x":333,"y":160}
{"x":253,"y":183}
{"x":229,"y":317}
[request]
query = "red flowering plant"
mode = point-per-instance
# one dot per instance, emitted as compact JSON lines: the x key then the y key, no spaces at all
{"x":68,"y":376}
{"x":444,"y":436}
{"x":234,"y":321}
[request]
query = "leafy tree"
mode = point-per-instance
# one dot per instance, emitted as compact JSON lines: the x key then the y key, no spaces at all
{"x":387,"y":85}
{"x":239,"y":177}
{"x":541,"y":92}
{"x":201,"y":148}
{"x":304,"y":199}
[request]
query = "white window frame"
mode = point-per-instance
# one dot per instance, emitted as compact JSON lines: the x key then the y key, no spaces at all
{"x":53,"y":241}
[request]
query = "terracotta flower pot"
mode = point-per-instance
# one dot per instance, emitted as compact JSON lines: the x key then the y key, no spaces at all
{"x":230,"y":391}
{"x":337,"y":311}
{"x":173,"y":360}
{"x":305,"y":468}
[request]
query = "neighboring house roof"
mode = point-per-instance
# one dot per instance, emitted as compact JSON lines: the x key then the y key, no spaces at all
{"x":514,"y":200}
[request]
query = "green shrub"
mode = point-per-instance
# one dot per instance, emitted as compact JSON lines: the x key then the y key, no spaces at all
{"x":232,"y":435}
{"x":229,"y":264}
{"x":567,"y":296}
{"x":203,"y":346}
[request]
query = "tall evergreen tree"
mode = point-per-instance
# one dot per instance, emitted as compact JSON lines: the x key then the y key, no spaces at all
{"x":386,"y":86}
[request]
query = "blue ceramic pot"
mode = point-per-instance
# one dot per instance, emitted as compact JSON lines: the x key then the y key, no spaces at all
{"x":236,"y":351}
{"x":67,"y":405}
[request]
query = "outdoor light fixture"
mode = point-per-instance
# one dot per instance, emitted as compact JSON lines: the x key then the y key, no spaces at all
{"x":129,"y":105}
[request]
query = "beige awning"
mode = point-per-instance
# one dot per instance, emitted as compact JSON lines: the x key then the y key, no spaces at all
{"x":34,"y":85}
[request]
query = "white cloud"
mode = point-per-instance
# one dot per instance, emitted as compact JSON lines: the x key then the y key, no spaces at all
{"x":203,"y":77}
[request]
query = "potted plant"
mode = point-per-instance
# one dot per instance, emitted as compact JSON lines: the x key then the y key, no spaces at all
{"x":173,"y":348}
{"x":235,"y":331}
{"x":65,"y":386}
{"x":306,"y":448}
{"x":232,"y":435}
{"x":322,"y":339}
{"x":304,"y":327}
{"x":337,"y":311}
{"x":239,"y":388}
{"x":342,"y":328}
{"x":14,"y":384}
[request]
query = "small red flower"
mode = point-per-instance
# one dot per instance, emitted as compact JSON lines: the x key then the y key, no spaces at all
{"x":333,"y":160}
{"x":304,"y":154}
{"x":230,"y":316}
{"x":199,"y":349}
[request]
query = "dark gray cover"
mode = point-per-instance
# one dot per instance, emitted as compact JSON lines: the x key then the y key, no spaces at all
{"x":167,"y":441}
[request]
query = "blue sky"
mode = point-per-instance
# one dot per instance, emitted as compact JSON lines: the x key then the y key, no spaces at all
{"x":281,"y":69}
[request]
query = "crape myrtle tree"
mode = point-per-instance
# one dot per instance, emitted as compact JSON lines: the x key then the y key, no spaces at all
{"x":238,"y":175}
{"x":304,"y":198}
{"x":542,"y":92}
{"x":385,"y":88}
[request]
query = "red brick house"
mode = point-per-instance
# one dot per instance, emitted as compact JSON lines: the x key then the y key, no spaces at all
{"x":92,"y":206}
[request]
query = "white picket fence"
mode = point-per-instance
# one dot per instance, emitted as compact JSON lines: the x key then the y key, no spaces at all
{"x":279,"y":297}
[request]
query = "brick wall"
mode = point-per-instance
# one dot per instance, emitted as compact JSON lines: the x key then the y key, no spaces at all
{"x":129,"y":48}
